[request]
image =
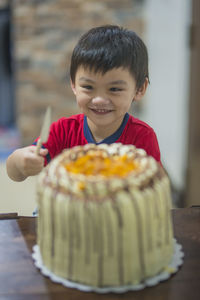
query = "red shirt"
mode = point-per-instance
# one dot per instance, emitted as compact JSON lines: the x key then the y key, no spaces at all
{"x":73,"y":131}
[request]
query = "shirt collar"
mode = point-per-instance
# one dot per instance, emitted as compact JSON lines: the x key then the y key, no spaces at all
{"x":108,"y":140}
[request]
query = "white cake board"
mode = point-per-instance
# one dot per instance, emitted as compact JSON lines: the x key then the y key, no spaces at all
{"x":177,"y":261}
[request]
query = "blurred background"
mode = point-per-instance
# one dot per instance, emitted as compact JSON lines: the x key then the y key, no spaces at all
{"x":36,"y":41}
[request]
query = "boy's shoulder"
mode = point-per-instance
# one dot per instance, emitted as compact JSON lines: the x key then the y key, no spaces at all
{"x":142,"y":135}
{"x":67,"y":126}
{"x":74,"y":120}
{"x":139,"y":123}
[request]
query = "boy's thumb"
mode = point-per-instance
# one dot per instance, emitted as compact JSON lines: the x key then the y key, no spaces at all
{"x":43,"y":152}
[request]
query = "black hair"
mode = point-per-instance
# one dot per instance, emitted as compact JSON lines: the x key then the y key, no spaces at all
{"x":106,"y":47}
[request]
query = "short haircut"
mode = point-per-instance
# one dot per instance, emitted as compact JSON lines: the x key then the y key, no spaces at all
{"x":106,"y":47}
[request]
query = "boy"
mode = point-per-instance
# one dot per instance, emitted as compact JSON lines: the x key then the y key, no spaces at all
{"x":109,"y":70}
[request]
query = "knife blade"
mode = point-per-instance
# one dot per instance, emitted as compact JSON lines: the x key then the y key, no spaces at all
{"x":45,"y":130}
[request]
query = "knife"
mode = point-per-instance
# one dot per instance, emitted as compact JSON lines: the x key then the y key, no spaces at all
{"x":45,"y":130}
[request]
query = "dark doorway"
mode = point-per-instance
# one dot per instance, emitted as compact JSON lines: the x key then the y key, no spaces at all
{"x":193,"y":170}
{"x":7,"y":103}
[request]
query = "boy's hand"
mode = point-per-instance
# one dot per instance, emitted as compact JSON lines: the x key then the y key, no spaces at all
{"x":31,"y":163}
{"x":25,"y":162}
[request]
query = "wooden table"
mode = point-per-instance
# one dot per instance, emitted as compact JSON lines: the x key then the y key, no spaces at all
{"x":20,"y":279}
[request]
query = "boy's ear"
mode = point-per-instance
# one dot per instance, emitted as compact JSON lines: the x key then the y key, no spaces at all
{"x":142,"y":90}
{"x":73,"y":87}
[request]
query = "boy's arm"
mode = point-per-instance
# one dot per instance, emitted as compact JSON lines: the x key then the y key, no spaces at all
{"x":25,"y":162}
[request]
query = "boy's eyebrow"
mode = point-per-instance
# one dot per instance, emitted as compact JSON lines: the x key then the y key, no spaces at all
{"x":86,"y":79}
{"x":122,"y":82}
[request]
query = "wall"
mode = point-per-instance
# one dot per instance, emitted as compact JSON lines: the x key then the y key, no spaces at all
{"x":167,"y":32}
{"x":45,"y":33}
{"x":17,"y":197}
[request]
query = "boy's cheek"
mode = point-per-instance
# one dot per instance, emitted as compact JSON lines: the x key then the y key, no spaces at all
{"x":81,"y":105}
{"x":82,"y":101}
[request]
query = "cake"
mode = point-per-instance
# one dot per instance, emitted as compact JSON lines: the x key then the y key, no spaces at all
{"x":104,"y":216}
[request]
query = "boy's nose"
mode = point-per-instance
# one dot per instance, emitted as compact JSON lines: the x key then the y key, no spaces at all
{"x":100,"y":100}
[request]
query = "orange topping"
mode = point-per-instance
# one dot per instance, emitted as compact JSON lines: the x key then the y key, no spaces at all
{"x":91,"y":164}
{"x":81,"y":185}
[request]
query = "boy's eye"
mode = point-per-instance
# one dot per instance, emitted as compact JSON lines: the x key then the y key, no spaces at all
{"x":115,"y":89}
{"x":87,"y":87}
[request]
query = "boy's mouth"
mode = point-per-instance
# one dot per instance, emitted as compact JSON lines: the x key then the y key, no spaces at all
{"x":100,"y":111}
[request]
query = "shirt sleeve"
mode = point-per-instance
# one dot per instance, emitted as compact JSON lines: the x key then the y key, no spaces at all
{"x":56,"y":140}
{"x":148,"y":141}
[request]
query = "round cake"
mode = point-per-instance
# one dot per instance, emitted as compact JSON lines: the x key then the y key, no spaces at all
{"x":104,"y":215}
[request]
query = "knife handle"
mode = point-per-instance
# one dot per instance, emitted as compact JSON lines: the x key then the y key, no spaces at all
{"x":38,"y":146}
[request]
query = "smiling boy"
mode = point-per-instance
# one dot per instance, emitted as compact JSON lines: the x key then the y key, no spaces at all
{"x":109,"y":70}
{"x":105,"y":99}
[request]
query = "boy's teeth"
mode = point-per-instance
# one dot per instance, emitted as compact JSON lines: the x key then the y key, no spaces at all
{"x":101,"y":110}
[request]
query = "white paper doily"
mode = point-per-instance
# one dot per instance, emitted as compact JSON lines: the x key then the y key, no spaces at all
{"x":172,"y":268}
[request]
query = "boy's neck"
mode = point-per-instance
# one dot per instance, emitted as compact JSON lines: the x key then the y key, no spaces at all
{"x":100,"y":133}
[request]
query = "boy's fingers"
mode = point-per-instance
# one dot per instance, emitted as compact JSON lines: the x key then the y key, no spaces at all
{"x":31,"y":148}
{"x":43,"y":152}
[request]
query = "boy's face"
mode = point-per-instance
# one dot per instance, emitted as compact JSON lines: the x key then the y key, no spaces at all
{"x":105,"y":99}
